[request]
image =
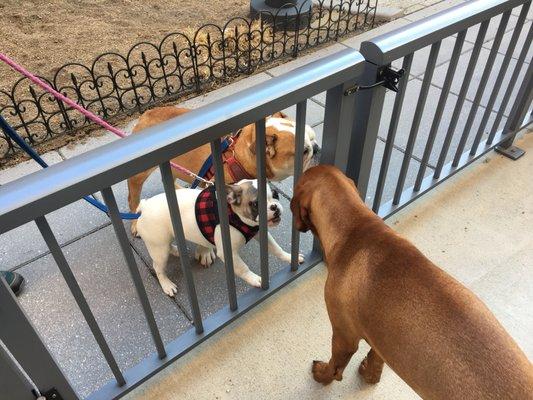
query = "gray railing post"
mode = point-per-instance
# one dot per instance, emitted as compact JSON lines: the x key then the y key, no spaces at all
{"x":516,"y":118}
{"x":365,"y":127}
{"x":20,"y":337}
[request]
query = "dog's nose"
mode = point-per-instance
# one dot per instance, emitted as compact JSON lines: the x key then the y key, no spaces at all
{"x":316,"y":148}
{"x":275,"y":208}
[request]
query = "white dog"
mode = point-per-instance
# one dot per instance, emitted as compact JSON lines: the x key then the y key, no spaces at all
{"x":200,"y":220}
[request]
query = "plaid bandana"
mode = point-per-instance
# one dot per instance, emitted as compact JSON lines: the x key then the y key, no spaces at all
{"x":207,"y":217}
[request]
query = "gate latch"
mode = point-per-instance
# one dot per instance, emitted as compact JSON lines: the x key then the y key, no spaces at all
{"x":387,"y":77}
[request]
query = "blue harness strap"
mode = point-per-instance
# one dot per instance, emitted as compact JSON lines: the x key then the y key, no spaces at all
{"x":226,"y":143}
{"x":13,"y":135}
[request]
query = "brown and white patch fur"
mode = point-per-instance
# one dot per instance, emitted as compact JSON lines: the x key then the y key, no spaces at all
{"x":280,"y":151}
{"x":155,"y":228}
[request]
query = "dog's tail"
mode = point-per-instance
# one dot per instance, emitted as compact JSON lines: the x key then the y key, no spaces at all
{"x":129,"y":127}
{"x":139,"y":209}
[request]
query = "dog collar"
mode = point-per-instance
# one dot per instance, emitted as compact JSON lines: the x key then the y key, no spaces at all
{"x":234,"y":167}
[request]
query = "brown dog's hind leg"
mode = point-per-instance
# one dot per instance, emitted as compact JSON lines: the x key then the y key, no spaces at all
{"x":342,"y":350}
{"x":135,"y":185}
{"x":371,"y":367}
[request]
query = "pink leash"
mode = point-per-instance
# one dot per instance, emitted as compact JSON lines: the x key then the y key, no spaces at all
{"x":96,"y":119}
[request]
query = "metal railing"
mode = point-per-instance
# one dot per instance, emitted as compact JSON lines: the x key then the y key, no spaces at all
{"x":351,"y":134}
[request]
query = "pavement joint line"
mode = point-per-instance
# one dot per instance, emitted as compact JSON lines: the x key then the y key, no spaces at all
{"x":67,"y":243}
{"x":174,"y":300}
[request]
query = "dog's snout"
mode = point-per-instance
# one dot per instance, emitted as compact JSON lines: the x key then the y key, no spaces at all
{"x":316,"y":148}
{"x":274,"y":207}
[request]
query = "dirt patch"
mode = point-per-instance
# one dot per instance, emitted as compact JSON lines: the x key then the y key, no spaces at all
{"x":43,"y":35}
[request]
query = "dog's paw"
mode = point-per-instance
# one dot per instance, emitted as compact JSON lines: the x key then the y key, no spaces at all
{"x":174,"y":250}
{"x":133,"y":229}
{"x":369,"y":376}
{"x":286,"y":257}
{"x":205,"y":256}
{"x":322,"y":372}
{"x":253,"y":279}
{"x":168,"y":287}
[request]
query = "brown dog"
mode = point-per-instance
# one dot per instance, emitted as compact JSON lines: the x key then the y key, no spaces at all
{"x":280,"y":133}
{"x":430,"y":329}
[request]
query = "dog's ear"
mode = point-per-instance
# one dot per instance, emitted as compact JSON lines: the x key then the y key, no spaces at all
{"x":280,"y":114}
{"x":271,"y":139}
{"x":301,"y":214}
{"x":234,"y":194}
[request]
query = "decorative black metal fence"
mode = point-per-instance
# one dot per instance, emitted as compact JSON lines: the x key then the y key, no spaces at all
{"x":116,"y":84}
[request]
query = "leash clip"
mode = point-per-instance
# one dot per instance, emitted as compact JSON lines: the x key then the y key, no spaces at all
{"x":388,"y":77}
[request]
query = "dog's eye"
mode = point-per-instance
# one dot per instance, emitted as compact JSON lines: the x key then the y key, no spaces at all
{"x":275,"y":194}
{"x":253,"y":203}
{"x":306,"y":151}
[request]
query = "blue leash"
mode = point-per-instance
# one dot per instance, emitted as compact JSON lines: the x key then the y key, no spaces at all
{"x":9,"y":131}
{"x":209,"y":162}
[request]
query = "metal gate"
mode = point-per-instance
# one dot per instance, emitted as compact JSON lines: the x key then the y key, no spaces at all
{"x":356,"y":86}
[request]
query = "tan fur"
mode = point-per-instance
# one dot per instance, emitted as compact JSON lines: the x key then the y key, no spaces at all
{"x":280,"y":153}
{"x":429,"y":328}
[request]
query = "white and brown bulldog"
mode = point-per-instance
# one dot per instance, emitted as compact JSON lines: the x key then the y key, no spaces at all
{"x":201,"y":225}
{"x":280,"y":149}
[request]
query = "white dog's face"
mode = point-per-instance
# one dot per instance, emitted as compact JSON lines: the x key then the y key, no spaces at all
{"x":243,"y":197}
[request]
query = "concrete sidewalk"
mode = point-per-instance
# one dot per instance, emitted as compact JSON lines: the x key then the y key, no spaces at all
{"x":93,"y":252}
{"x":477,"y":227}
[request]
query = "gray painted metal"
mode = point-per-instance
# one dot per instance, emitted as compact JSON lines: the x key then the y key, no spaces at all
{"x":481,"y":88}
{"x":405,"y":40}
{"x":419,"y":111}
{"x":179,"y":235}
{"x":512,"y":83}
{"x":260,"y":156}
{"x":501,"y":75}
{"x":212,"y":324}
{"x":63,"y":183}
{"x":222,"y":205}
{"x":440,"y":107}
{"x":409,"y":195}
{"x":521,"y":106}
{"x":120,"y":232}
{"x":365,"y":127}
{"x":77,"y":293}
{"x":301,"y":109}
{"x":393,"y":127}
{"x":14,"y":383}
{"x":472,"y":64}
{"x":25,"y":344}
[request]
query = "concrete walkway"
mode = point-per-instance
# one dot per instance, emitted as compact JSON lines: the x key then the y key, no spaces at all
{"x":477,"y":227}
{"x":93,"y":253}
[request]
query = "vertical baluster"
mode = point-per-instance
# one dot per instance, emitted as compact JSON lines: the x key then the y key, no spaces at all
{"x":224,"y":222}
{"x":175,"y":217}
{"x":120,"y":232}
{"x":260,"y":140}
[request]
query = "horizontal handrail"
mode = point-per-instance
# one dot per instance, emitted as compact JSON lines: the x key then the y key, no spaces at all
{"x":405,"y":40}
{"x":44,"y":191}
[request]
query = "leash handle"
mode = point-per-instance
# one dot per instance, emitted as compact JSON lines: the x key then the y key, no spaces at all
{"x":93,"y":117}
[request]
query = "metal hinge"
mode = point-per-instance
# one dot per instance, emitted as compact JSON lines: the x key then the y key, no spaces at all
{"x":387,"y":77}
{"x":51,"y":394}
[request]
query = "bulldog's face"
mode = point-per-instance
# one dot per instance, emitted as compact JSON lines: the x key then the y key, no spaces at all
{"x":243,"y":197}
{"x":281,"y":142}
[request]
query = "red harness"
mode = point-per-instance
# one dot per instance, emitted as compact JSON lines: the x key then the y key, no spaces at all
{"x":235,"y":168}
{"x":206,"y":211}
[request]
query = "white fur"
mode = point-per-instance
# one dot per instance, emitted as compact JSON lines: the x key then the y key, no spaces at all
{"x":155,"y":228}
